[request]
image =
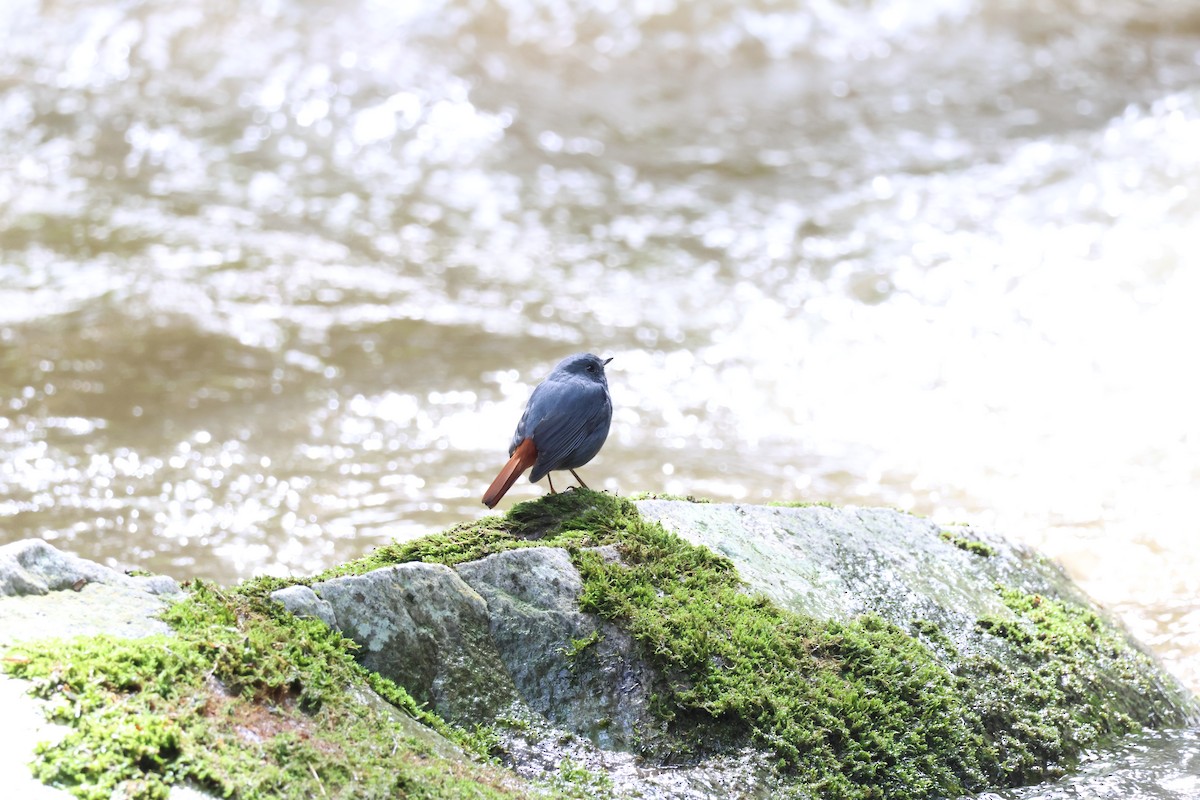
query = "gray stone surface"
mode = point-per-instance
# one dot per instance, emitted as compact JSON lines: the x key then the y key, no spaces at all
{"x":599,"y":690}
{"x":34,"y":567}
{"x":24,"y":726}
{"x":46,"y":592}
{"x":303,"y":602}
{"x":836,"y":563}
{"x":434,"y":741}
{"x":423,"y":627}
{"x":96,"y":608}
{"x":38,"y":600}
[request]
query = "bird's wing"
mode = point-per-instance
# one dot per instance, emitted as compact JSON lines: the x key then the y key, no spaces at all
{"x":562,"y":416}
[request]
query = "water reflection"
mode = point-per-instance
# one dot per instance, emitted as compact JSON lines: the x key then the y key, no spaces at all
{"x":275,"y":282}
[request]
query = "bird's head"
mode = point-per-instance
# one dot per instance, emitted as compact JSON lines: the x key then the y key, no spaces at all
{"x":584,"y":365}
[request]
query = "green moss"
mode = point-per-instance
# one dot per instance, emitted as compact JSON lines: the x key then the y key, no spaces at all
{"x":577,"y":646}
{"x":1074,"y":682}
{"x":935,"y":636}
{"x":575,"y":780}
{"x":800,"y":504}
{"x":973,"y":546}
{"x":852,"y":709}
{"x":663,"y":496}
{"x":513,"y":723}
{"x":244,"y":700}
{"x":572,"y":520}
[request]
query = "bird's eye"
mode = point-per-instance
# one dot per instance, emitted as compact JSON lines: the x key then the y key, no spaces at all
{"x":591,"y":367}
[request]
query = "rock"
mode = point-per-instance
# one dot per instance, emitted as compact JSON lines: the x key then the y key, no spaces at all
{"x":1036,"y":664}
{"x":427,"y":738}
{"x":508,"y":625}
{"x":303,"y":602}
{"x":48,"y":593}
{"x":24,"y":726}
{"x":96,"y":608}
{"x":45,"y":592}
{"x":423,"y":627}
{"x":835,"y":563}
{"x":33,"y":567}
{"x":1156,"y":765}
{"x":115,"y":605}
{"x":501,"y":640}
{"x":578,"y":671}
{"x":1018,"y":656}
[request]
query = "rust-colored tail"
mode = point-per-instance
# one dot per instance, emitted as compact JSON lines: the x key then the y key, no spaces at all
{"x":522,"y":459}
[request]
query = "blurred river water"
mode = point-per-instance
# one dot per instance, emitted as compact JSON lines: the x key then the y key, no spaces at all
{"x":276,"y":278}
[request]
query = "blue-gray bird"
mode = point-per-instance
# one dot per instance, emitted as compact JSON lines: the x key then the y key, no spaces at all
{"x":563,"y":427}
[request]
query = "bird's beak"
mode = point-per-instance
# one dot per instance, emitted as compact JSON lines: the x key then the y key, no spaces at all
{"x":606,"y":361}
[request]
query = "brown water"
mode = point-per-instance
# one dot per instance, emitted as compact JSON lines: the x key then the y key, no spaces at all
{"x":276,"y":279}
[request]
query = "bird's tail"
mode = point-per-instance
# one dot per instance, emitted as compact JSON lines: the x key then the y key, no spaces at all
{"x":522,"y":459}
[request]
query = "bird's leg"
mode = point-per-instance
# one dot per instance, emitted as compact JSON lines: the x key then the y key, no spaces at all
{"x":581,"y":483}
{"x":551,"y":480}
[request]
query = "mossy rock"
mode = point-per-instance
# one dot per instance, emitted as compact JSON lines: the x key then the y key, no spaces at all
{"x":865,"y":651}
{"x":781,"y":652}
{"x":231,"y":697}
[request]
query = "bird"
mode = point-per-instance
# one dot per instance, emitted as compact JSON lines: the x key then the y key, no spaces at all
{"x":564,"y":425}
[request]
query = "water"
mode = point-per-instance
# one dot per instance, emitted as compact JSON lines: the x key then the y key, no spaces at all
{"x":1163,"y":765}
{"x":275,"y":279}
